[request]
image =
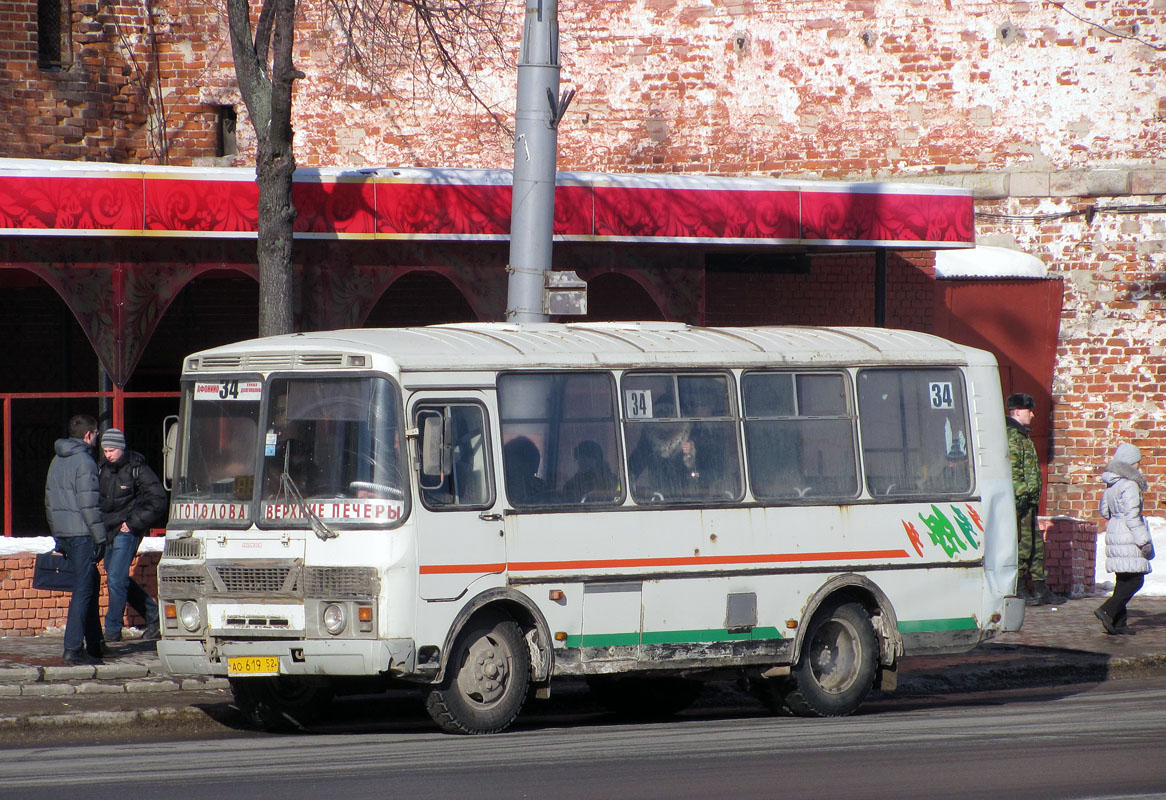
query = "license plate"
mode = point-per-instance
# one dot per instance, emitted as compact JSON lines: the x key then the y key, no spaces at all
{"x":253,"y":665}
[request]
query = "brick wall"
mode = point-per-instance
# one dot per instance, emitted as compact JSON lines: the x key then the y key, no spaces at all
{"x":25,"y":611}
{"x":1054,"y":116}
{"x":129,"y":88}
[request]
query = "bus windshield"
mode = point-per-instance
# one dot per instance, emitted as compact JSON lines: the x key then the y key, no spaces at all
{"x":301,"y":446}
{"x":333,"y":447}
{"x":215,"y":475}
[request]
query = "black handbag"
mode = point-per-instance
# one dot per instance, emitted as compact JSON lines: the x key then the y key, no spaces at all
{"x":53,"y":573}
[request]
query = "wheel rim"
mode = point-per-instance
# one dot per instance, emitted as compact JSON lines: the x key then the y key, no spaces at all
{"x":835,"y":653}
{"x":485,"y":672}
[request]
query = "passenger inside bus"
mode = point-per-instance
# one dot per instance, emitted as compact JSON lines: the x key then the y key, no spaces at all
{"x":594,"y":482}
{"x":664,"y":461}
{"x":521,"y":460}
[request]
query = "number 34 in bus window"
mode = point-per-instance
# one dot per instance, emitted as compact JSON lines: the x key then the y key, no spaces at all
{"x":941,"y":395}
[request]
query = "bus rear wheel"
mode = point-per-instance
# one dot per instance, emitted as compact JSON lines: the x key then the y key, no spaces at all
{"x":486,"y":679}
{"x":282,"y":703}
{"x":836,"y":669}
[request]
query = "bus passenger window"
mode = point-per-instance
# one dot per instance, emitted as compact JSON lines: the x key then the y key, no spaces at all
{"x":799,"y":436}
{"x":688,"y":453}
{"x":561,"y":438}
{"x":914,"y":432}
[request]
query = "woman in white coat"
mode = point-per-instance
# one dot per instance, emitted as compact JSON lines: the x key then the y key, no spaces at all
{"x":1128,"y":547}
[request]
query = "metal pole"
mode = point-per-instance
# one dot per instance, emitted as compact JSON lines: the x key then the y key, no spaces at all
{"x":880,"y":287}
{"x":535,"y":142}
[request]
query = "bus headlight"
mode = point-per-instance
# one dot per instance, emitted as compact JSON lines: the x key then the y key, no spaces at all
{"x":190,"y":616}
{"x":335,"y":618}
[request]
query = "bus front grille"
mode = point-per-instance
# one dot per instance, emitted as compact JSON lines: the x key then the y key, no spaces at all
{"x":238,"y":579}
{"x":340,"y":582}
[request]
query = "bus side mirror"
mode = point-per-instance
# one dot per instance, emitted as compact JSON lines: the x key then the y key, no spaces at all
{"x":169,"y":444}
{"x":435,"y":449}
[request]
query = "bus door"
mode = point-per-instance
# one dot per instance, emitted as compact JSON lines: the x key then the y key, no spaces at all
{"x":459,"y":528}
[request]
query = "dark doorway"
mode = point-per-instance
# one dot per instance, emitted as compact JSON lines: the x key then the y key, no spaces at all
{"x":615,"y":297}
{"x":420,"y":298}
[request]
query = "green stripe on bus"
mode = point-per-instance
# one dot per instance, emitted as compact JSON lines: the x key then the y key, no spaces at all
{"x":672,"y":637}
{"x":929,"y":625}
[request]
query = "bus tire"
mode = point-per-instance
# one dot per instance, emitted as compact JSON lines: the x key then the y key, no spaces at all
{"x":642,"y":697}
{"x":486,"y":679}
{"x":282,"y":703}
{"x":836,"y":668}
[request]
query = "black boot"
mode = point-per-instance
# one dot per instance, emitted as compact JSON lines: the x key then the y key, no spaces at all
{"x":1042,"y":595}
{"x":80,"y":657}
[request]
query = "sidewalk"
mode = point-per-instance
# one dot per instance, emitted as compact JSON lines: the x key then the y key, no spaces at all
{"x":1057,"y":645}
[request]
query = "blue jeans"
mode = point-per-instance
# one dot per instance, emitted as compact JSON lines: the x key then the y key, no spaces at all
{"x":122,"y":588}
{"x":83,"y":625}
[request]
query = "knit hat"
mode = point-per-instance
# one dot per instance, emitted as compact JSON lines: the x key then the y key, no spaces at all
{"x":1127,"y":453}
{"x":115,"y":438}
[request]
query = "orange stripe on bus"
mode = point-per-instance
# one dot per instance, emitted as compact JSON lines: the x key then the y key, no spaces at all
{"x":680,"y":561}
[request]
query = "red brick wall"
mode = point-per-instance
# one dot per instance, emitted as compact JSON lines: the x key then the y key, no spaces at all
{"x":1048,"y":113}
{"x":25,"y":611}
{"x":124,"y":80}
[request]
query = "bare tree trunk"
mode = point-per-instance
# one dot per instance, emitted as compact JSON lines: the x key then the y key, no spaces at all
{"x":268,"y":100}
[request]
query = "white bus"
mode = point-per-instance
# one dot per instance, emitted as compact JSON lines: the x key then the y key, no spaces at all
{"x":477,"y":509}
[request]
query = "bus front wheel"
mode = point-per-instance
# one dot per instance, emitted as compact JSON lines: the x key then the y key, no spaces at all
{"x":486,"y":679}
{"x":836,"y":669}
{"x":282,"y":703}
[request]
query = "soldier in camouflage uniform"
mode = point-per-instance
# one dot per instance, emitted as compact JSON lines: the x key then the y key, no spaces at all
{"x":1026,"y":483}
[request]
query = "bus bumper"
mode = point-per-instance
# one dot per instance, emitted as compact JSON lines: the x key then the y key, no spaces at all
{"x":1013,"y":614}
{"x":296,"y":657}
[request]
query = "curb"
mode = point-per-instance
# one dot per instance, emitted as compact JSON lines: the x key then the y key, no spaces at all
{"x":1017,"y":674}
{"x":102,"y":718}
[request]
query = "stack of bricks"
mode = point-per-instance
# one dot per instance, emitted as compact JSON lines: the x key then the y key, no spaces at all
{"x":25,"y":611}
{"x":1070,"y":554}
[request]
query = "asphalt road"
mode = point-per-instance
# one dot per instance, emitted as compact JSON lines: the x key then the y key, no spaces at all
{"x":1102,"y":741}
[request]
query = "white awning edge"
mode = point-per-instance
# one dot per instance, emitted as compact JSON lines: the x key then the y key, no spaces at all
{"x":983,"y":261}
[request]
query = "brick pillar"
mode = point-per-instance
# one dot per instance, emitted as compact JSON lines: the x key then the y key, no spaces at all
{"x":1070,"y":554}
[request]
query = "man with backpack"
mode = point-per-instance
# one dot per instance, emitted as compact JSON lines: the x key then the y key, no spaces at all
{"x":132,"y":500}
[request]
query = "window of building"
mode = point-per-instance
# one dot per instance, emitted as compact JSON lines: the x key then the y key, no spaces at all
{"x":225,"y":120}
{"x":52,"y":34}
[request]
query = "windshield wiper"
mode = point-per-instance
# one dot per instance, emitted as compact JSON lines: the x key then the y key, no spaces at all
{"x":289,"y":489}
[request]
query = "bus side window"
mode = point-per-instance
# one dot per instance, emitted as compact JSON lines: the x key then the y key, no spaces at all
{"x":560,"y":440}
{"x":914,"y":432}
{"x":468,"y":483}
{"x":800,"y":438}
{"x":686,"y":452}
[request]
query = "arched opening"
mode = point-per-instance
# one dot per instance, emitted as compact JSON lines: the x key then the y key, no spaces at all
{"x":420,"y":298}
{"x":612,"y":297}
{"x":47,"y":351}
{"x":215,"y":308}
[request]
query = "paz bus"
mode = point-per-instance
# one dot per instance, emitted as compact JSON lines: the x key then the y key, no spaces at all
{"x":475,"y":510}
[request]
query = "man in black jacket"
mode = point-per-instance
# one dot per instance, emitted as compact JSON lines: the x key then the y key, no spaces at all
{"x":73,"y":508}
{"x":132,"y":500}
